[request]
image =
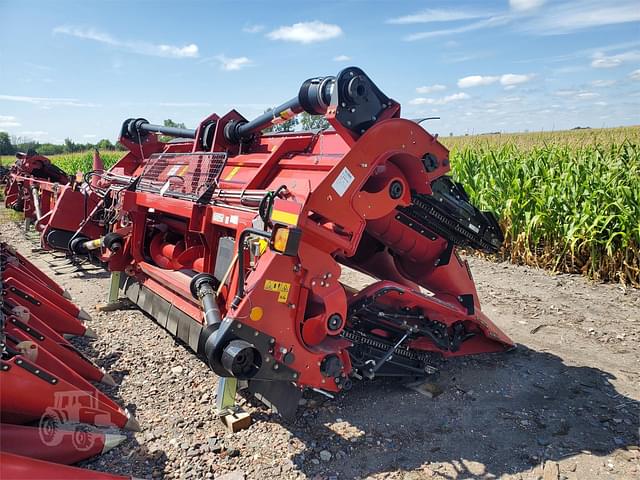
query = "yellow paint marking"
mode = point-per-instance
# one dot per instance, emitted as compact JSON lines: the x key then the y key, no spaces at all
{"x":232,"y":173}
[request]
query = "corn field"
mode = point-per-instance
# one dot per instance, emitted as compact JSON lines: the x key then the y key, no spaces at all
{"x":567,"y":201}
{"x":74,"y":162}
{"x":83,"y":162}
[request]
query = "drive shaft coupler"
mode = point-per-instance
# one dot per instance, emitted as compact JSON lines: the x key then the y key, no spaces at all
{"x":203,"y":287}
{"x":313,"y":97}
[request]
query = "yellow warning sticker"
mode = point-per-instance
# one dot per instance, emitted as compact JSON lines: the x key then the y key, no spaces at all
{"x":287,"y":114}
{"x":281,"y":287}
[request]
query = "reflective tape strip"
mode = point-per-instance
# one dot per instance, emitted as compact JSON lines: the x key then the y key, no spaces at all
{"x":284,"y":217}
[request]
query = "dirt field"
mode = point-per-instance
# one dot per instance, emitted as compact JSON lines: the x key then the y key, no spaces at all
{"x":564,"y":404}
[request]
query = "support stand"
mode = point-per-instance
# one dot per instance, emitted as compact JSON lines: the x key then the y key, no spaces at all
{"x":234,"y":418}
{"x":114,"y":302}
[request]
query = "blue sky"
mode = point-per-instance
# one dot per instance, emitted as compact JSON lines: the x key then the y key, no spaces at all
{"x":79,"y":68}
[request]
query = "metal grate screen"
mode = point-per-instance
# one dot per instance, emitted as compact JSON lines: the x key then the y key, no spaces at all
{"x":182,"y":175}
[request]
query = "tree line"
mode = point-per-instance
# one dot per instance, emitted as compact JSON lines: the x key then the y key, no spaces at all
{"x":10,"y":144}
{"x":304,"y":121}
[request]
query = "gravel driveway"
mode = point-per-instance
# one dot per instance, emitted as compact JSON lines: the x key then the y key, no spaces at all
{"x":564,"y":404}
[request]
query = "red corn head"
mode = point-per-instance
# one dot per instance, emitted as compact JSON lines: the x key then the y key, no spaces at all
{"x":21,"y":343}
{"x":31,"y":393}
{"x":61,"y":321}
{"x":56,"y":444}
{"x":10,"y":255}
{"x":11,"y":271}
{"x":43,"y":335}
{"x":17,"y":467}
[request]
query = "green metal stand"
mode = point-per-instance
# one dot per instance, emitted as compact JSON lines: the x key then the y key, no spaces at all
{"x":226,"y":395}
{"x":113,"y":300}
{"x":114,"y":287}
{"x":229,"y":412}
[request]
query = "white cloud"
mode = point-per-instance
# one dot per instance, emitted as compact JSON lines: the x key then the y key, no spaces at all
{"x":476,"y":81}
{"x":526,"y":15}
{"x":600,"y":60}
{"x":578,"y":15}
{"x":496,"y":21}
{"x":466,"y":58}
{"x":440,"y":101}
{"x":603,"y":83}
{"x":140,"y":47}
{"x":565,"y":93}
{"x":306,"y":32}
{"x":523,"y":5}
{"x":37,"y":66}
{"x":455,"y":97}
{"x":635,"y":75}
{"x":230,"y":64}
{"x":253,"y":28}
{"x":431,"y":88}
{"x":508,"y":80}
{"x":579,"y":94}
{"x":512,"y":79}
{"x":583,"y":95}
{"x":89,"y":135}
{"x":432,"y":15}
{"x":48,"y":102}
{"x":342,"y":58}
{"x":8,"y":121}
{"x":35,"y":133}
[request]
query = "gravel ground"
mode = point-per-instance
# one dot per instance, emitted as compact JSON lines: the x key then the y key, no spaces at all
{"x":565,"y":404}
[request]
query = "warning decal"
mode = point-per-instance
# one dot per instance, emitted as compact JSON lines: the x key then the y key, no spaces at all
{"x":343,"y":181}
{"x":281,"y":287}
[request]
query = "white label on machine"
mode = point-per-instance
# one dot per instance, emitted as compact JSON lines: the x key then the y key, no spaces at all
{"x":234,"y":219}
{"x":218,"y":217}
{"x":343,"y":181}
{"x":174,"y":171}
{"x":165,"y":187}
{"x":474,"y":228}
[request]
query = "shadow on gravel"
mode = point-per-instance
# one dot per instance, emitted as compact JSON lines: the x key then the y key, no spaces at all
{"x":63,"y":264}
{"x":141,"y":462}
{"x":499,"y":414}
